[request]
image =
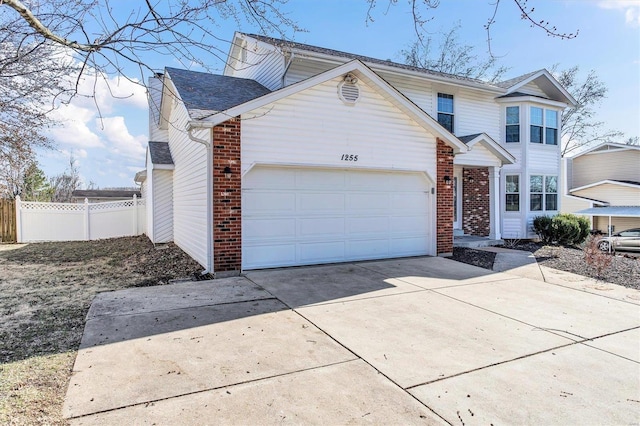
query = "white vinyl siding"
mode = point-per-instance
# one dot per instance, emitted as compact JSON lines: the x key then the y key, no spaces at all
{"x":512,"y":227}
{"x":263,"y":63}
{"x":163,"y":206}
{"x":301,"y":69}
{"x":419,"y":91}
{"x":189,"y":187}
{"x":478,"y":156}
{"x":301,"y":216}
{"x":314,"y":127}
{"x":532,"y":89}
{"x":613,"y":165}
{"x":544,"y":159}
{"x":615,"y":195}
{"x":477,"y":112}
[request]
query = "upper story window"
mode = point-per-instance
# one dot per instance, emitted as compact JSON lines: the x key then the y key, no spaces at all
{"x":513,"y":124}
{"x":445,"y":111}
{"x":544,"y":126}
{"x":543,"y":193}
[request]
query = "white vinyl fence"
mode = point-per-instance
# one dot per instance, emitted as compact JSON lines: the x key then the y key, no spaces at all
{"x":38,"y":221}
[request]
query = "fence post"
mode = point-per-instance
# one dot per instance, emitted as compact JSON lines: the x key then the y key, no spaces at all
{"x":135,"y":215}
{"x":18,"y":220}
{"x":87,"y":237}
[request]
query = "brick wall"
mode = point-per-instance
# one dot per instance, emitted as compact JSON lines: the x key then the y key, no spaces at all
{"x":476,"y":202}
{"x":227,"y":220}
{"x":444,"y":210}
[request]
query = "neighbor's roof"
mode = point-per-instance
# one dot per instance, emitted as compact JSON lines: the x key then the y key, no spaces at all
{"x":618,"y":211}
{"x":160,"y":153}
{"x":366,"y":59}
{"x":211,"y":92}
{"x":104,"y":193}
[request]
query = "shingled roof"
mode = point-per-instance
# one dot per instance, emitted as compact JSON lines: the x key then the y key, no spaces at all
{"x":160,"y":153}
{"x":213,"y":92}
{"x":284,"y":44}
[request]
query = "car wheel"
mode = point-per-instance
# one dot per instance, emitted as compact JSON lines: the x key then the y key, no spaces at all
{"x":603,"y":245}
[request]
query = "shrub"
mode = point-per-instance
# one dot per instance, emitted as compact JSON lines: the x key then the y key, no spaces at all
{"x":542,"y":227}
{"x":564,"y":229}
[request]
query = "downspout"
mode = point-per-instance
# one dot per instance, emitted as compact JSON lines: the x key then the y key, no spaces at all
{"x":191,"y":126}
{"x":286,"y":68}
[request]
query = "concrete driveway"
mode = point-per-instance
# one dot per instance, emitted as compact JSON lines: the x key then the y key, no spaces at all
{"x":403,"y":341}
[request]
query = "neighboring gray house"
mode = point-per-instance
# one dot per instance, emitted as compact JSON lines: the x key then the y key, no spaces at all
{"x":302,"y":155}
{"x":102,"y":195}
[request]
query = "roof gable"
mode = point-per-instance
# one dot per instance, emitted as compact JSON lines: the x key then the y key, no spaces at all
{"x":543,"y":80}
{"x":363,"y":73}
{"x":488,"y":142}
{"x":607,"y":147}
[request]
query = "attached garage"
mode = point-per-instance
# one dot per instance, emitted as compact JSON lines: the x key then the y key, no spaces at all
{"x":301,"y":216}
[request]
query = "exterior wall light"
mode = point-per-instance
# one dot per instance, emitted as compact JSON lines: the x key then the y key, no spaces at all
{"x":447,"y":180}
{"x":227,"y":172}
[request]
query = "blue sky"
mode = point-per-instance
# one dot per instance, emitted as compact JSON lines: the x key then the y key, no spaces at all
{"x":110,"y":150}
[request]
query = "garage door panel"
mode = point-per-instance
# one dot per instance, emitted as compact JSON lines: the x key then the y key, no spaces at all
{"x":333,"y":216}
{"x":368,"y":249}
{"x":260,"y":229}
{"x":319,"y":179}
{"x":270,"y":255}
{"x":268,"y":202}
{"x":265,"y":178}
{"x":316,"y":202}
{"x":410,"y":246}
{"x":409,"y":224}
{"x":372,"y":225}
{"x":321,"y":252}
{"x":321,"y":226}
{"x":410,"y":201}
{"x":367,"y":201}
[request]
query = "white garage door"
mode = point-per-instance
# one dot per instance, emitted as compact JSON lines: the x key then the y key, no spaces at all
{"x":309,"y":216}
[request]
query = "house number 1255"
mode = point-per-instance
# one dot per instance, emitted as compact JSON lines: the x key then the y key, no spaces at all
{"x":349,"y":157}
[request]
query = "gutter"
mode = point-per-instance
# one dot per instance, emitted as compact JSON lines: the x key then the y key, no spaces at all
{"x":191,"y":126}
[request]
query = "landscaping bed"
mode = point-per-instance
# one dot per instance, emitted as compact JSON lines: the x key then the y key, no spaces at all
{"x":623,"y":270}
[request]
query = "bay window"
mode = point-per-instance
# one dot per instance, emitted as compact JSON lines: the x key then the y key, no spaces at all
{"x":543,"y":126}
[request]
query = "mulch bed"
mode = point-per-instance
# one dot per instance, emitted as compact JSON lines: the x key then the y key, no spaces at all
{"x":624,"y":269}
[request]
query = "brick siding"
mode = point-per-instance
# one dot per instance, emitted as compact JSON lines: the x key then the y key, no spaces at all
{"x":476,"y":202}
{"x":227,"y":212}
{"x":444,"y":194}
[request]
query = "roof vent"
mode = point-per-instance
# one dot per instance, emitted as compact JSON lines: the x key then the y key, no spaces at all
{"x":348,"y":89}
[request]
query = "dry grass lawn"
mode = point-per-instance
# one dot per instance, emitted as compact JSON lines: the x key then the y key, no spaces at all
{"x":45,"y":293}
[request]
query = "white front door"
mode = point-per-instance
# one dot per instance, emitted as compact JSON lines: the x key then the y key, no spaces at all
{"x":457,"y":197}
{"x":304,"y":216}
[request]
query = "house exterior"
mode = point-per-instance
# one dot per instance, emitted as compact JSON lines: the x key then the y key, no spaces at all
{"x":603,"y":182}
{"x":303,"y":155}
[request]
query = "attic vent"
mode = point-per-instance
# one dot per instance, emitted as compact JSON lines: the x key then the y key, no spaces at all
{"x":348,"y":89}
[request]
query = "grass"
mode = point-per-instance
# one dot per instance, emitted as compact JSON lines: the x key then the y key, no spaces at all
{"x":45,"y":292}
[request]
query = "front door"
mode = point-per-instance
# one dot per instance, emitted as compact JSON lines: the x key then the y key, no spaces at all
{"x":457,"y":198}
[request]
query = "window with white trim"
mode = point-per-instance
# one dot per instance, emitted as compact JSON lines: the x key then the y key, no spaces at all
{"x":512,"y":193}
{"x":543,"y":193}
{"x":513,"y":124}
{"x":445,"y":111}
{"x":543,"y":126}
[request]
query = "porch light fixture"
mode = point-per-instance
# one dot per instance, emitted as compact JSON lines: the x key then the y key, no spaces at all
{"x":447,"y":180}
{"x":227,"y":172}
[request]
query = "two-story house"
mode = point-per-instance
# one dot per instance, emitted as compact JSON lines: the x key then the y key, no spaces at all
{"x":302,"y":155}
{"x":603,"y":182}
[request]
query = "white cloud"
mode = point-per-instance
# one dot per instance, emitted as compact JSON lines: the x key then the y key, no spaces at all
{"x":73,"y":130}
{"x":631,"y":9}
{"x":120,"y":141}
